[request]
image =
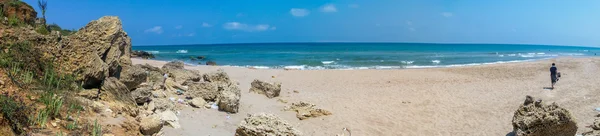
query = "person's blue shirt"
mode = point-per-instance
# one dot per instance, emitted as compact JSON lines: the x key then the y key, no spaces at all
{"x":553,"y":70}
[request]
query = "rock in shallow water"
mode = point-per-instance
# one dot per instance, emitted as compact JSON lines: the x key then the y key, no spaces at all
{"x":537,"y":119}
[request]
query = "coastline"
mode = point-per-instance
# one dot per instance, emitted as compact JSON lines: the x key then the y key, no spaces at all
{"x":469,"y":100}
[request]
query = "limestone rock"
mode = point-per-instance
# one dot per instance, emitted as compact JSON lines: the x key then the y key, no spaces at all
{"x":150,"y":125}
{"x":219,"y":76}
{"x":537,"y":119}
{"x":229,"y":98}
{"x":113,"y":89}
{"x":174,"y":65}
{"x":268,"y":89}
{"x":306,"y":110}
{"x":163,"y":105}
{"x":170,"y":118}
{"x":198,"y":102}
{"x":89,"y":93}
{"x":142,"y":54}
{"x":207,"y":91}
{"x":21,"y":10}
{"x":133,"y":76}
{"x":262,"y":124}
{"x":176,"y":70}
{"x":142,"y":95}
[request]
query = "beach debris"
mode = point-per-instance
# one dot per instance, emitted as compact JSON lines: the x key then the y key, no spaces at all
{"x":214,"y":106}
{"x":296,"y":91}
{"x":534,"y":118}
{"x":198,"y":102}
{"x":150,"y":125}
{"x":170,"y":118}
{"x":346,"y":130}
{"x":262,"y":124}
{"x":133,"y":76}
{"x":306,"y":110}
{"x":282,"y":100}
{"x":179,"y":92}
{"x":598,"y":109}
{"x":272,"y":76}
{"x":268,"y":89}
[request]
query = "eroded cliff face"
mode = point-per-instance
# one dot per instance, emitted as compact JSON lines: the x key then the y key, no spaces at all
{"x":24,"y":12}
{"x":97,"y":51}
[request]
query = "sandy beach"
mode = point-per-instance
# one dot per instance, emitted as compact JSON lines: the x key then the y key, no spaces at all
{"x":470,"y":100}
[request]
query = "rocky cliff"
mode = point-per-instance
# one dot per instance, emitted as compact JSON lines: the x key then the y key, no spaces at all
{"x":23,"y":11}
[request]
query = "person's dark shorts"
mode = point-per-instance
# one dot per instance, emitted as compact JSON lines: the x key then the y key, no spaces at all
{"x":553,"y":78}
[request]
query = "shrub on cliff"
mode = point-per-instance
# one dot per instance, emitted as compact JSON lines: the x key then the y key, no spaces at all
{"x":64,"y":32}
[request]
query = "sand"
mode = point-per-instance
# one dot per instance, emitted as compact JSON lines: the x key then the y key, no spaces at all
{"x":471,"y":100}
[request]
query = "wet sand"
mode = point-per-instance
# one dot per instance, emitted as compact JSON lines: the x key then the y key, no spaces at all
{"x":471,"y":100}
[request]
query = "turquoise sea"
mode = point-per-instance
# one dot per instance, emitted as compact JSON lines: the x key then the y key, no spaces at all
{"x":360,"y":55}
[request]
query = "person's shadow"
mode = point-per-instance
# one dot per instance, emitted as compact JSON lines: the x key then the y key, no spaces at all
{"x":549,"y":88}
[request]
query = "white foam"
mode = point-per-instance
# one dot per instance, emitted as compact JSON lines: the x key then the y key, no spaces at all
{"x":407,"y":62}
{"x":500,"y":55}
{"x":298,"y":67}
{"x":260,"y":67}
{"x":541,"y":53}
{"x":181,"y":51}
{"x":153,"y":52}
{"x":512,"y":54}
{"x":327,"y":62}
{"x":436,"y":61}
{"x":528,"y":56}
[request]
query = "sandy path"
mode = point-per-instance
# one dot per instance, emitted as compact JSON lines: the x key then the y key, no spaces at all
{"x":475,"y":100}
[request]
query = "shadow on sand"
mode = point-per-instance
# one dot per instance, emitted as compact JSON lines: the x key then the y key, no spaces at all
{"x":549,"y":88}
{"x":511,"y":134}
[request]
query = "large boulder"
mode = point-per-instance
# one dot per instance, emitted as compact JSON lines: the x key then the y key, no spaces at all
{"x":262,"y":124}
{"x":205,"y":90}
{"x":113,"y":89}
{"x":198,"y":102}
{"x":268,"y":89}
{"x":535,"y":118}
{"x":229,"y":98}
{"x":174,"y":65}
{"x":150,"y":125}
{"x":133,"y":76}
{"x":142,"y":95}
{"x":219,"y":76}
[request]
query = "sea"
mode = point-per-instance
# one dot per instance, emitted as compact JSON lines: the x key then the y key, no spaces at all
{"x":315,"y":56}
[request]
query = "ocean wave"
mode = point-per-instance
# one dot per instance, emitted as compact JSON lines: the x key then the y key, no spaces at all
{"x":327,"y":62}
{"x":407,"y":62}
{"x":540,"y":53}
{"x":436,"y":61}
{"x":512,"y":55}
{"x":295,"y":67}
{"x":153,"y":52}
{"x":181,"y":51}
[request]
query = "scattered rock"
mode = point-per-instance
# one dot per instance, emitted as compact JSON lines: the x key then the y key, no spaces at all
{"x":596,"y":125}
{"x":180,"y":75}
{"x":151,"y":106}
{"x":219,"y":76}
{"x":229,"y":98}
{"x":595,"y":129}
{"x":207,"y":91}
{"x":142,"y":95}
{"x":163,"y":105}
{"x":306,"y":110}
{"x":170,"y":118}
{"x":142,"y":54}
{"x":262,"y":124}
{"x":211,"y":63}
{"x":150,"y":125}
{"x":133,"y":76}
{"x":116,"y":90}
{"x":268,"y":89}
{"x":295,"y":91}
{"x":534,"y":118}
{"x":174,"y":65}
{"x":198,"y":102}
{"x":200,"y":57}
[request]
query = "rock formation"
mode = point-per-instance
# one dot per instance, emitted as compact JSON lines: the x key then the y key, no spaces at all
{"x":268,"y":89}
{"x":229,"y":98}
{"x":22,"y":11}
{"x":262,"y":124}
{"x":176,"y":70}
{"x":150,"y":125}
{"x":206,"y":90}
{"x":142,"y":54}
{"x":133,"y":76}
{"x":535,"y":118}
{"x":306,"y":110}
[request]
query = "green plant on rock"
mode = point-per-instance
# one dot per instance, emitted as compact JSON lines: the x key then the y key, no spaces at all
{"x":97,"y":129}
{"x":14,"y":21}
{"x":42,"y":30}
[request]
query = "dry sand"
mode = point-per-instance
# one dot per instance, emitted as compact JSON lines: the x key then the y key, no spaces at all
{"x":473,"y":100}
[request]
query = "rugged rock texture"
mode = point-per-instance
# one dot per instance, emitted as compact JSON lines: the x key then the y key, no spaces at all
{"x":113,"y":89}
{"x":176,"y":70}
{"x":268,"y":89}
{"x":133,"y":76}
{"x":150,"y":125}
{"x":262,"y":124}
{"x":595,"y":129}
{"x":229,"y":98}
{"x":211,"y":63}
{"x":142,"y":95}
{"x":198,"y":102}
{"x":219,"y":76}
{"x":204,"y":90}
{"x":170,"y":118}
{"x":142,"y":54}
{"x":534,"y":118}
{"x":306,"y":110}
{"x":21,"y":10}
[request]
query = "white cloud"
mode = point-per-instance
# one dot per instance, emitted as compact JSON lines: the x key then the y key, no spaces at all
{"x":247,"y":27}
{"x":328,"y":8}
{"x":204,"y":24}
{"x":447,"y":14}
{"x":353,"y":6}
{"x":178,"y":27}
{"x":156,"y":29}
{"x":298,"y":12}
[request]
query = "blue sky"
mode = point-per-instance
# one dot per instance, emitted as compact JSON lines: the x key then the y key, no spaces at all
{"x":160,"y":22}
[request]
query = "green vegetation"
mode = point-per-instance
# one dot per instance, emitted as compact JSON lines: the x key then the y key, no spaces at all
{"x":42,"y":30}
{"x":64,"y":32}
{"x":14,"y":21}
{"x":15,"y":3}
{"x":97,"y":129}
{"x":15,"y":112}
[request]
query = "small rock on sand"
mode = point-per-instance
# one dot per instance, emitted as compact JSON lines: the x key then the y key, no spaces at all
{"x":198,"y":102}
{"x":534,"y":118}
{"x":170,"y":118}
{"x":262,"y":124}
{"x":306,"y":110}
{"x":268,"y":89}
{"x":150,"y":125}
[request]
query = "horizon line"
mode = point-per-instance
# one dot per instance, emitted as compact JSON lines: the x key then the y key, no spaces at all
{"x":251,"y":43}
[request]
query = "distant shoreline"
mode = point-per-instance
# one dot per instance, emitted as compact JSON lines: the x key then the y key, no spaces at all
{"x":266,"y":43}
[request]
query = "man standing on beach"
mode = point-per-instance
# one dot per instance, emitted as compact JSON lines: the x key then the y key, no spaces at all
{"x":553,"y":72}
